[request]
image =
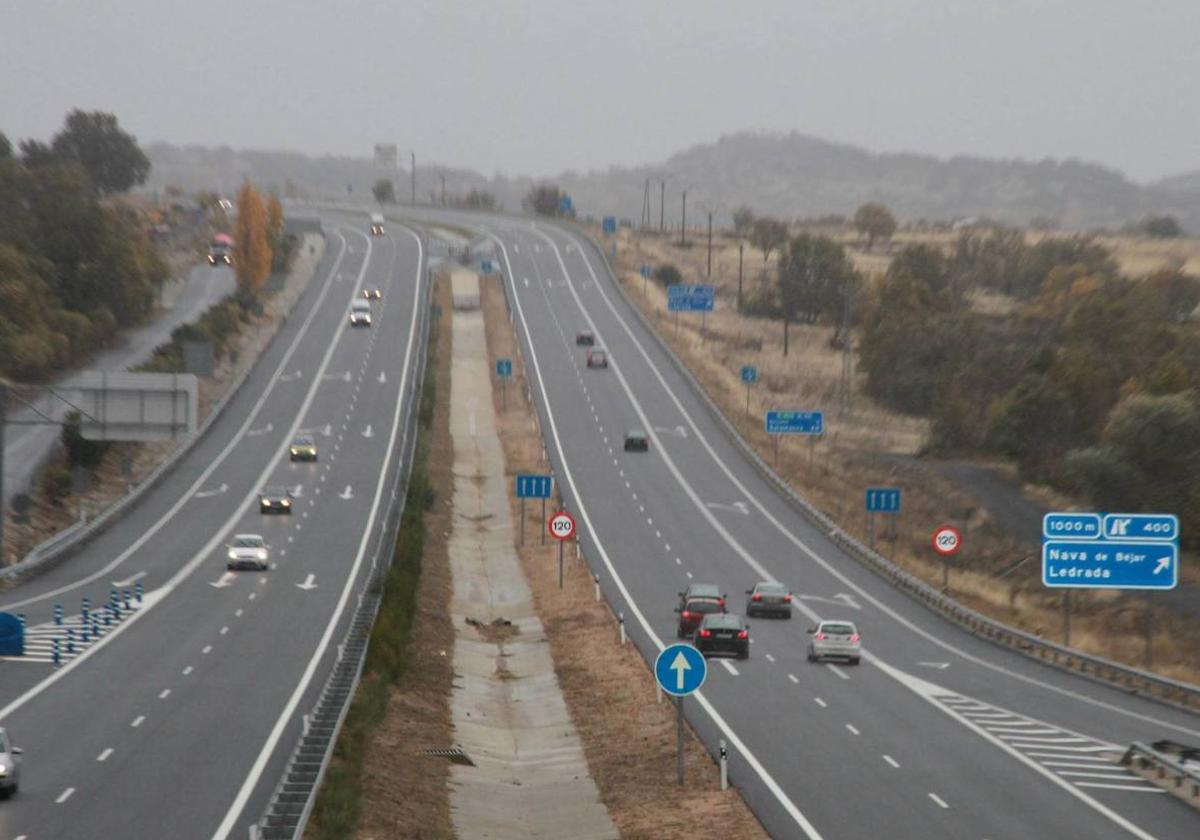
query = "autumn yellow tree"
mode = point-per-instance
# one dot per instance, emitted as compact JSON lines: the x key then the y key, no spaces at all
{"x":252,"y":239}
{"x":274,"y":220}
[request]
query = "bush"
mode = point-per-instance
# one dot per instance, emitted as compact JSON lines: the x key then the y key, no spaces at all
{"x":56,"y":484}
{"x":81,"y":452}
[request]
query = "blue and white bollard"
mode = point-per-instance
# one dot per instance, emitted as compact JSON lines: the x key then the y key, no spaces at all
{"x":58,"y":613}
{"x":87,"y":632}
{"x":139,"y":590}
{"x":113,"y":595}
{"x":126,"y":599}
{"x":86,"y":608}
{"x":57,"y":654}
{"x":70,"y":640}
{"x":108,"y":616}
{"x":21,"y":618}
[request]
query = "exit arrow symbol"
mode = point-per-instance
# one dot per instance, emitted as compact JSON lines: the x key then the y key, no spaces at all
{"x":382,"y":378}
{"x":367,"y":432}
{"x":308,"y":583}
{"x":262,"y":431}
{"x":204,"y":494}
{"x":290,"y":377}
{"x":680,"y":666}
{"x":1163,"y":565}
{"x":226,"y":580}
{"x":347,"y":493}
{"x":941,"y":666}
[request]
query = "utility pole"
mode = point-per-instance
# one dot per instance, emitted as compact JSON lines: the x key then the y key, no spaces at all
{"x":414,"y":178}
{"x":443,"y":177}
{"x":646,"y":206}
{"x":708,"y":271}
{"x":683,"y":223}
{"x":741,"y":247}
{"x":662,"y":205}
{"x":847,"y":356}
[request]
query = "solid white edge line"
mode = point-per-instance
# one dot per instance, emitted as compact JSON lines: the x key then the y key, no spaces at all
{"x":64,"y":796}
{"x":752,"y":761}
{"x":239,"y":803}
{"x":941,"y":802}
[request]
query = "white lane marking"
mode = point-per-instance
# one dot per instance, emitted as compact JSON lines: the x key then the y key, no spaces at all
{"x":667,"y":547}
{"x":891,"y":761}
{"x":1113,"y":775}
{"x":792,"y":677}
{"x":837,"y":671}
{"x":224,"y":630}
{"x":941,"y":802}
{"x":678,"y":562}
{"x":822,"y":562}
{"x":1076,"y":765}
{"x":64,"y":796}
{"x":202,"y":479}
{"x":1071,"y":757}
{"x":820,"y":702}
{"x":769,"y":657}
{"x":853,"y":730}
{"x":129,"y":581}
{"x":1144,"y":789}
{"x":238,"y":613}
{"x":188,"y":670}
{"x":689,"y":574}
{"x":207,"y":649}
{"x":784,"y":800}
{"x":206,"y":494}
{"x":287,"y":715}
{"x":253,"y":595}
{"x":164,"y":694}
{"x":138,"y":721}
{"x":104,"y":755}
{"x":729,"y":667}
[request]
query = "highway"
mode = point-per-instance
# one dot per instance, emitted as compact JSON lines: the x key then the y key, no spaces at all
{"x":936,"y":734}
{"x":178,"y":722}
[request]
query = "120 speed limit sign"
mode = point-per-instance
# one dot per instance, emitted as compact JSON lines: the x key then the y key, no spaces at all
{"x":947,"y":540}
{"x":562,"y":526}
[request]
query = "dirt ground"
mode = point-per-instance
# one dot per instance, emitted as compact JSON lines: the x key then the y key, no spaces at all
{"x":866,"y":445}
{"x":405,"y":793}
{"x":628,"y":737}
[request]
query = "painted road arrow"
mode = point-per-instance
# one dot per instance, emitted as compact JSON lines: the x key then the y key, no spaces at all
{"x":676,"y":431}
{"x":290,"y":377}
{"x":941,"y":666}
{"x":204,"y":494}
{"x":736,"y":507}
{"x":347,"y":493}
{"x":226,"y":580}
{"x":345,"y":377}
{"x":308,"y":583}
{"x":367,"y":432}
{"x":129,"y":581}
{"x":256,"y":432}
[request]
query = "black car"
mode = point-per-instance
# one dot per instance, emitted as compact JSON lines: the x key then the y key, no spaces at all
{"x":303,"y":448}
{"x":693,"y":612}
{"x":584,"y":339}
{"x":637,"y":441}
{"x":701,"y":590}
{"x":769,"y":598}
{"x":275,"y":499}
{"x":723,"y":633}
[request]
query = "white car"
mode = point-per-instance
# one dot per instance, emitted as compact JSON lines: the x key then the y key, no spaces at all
{"x":835,"y":639}
{"x":10,"y":765}
{"x":360,"y":314}
{"x":248,"y":551}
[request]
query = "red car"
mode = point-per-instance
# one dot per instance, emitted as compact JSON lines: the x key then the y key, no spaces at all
{"x":692,"y":613}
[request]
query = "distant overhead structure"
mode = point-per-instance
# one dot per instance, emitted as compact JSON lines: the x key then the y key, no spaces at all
{"x":134,"y":406}
{"x":387,"y":155}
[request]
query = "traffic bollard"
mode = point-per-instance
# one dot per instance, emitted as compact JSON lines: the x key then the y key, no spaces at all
{"x":87,"y":632}
{"x":57,"y":654}
{"x":113,"y":595}
{"x":621,"y":624}
{"x":724,"y":766}
{"x":58,"y":614}
{"x":21,"y":618}
{"x":70,"y":640}
{"x":126,"y":599}
{"x":139,"y":590}
{"x":108,"y":617}
{"x":596,"y":580}
{"x":85,"y":607}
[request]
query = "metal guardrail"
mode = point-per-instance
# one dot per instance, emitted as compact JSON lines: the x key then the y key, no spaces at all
{"x":1164,"y":768}
{"x":291,"y":804}
{"x":1136,"y":681}
{"x":61,"y":546}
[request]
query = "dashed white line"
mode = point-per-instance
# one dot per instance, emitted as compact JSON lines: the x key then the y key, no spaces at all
{"x":941,"y":802}
{"x":892,"y":761}
{"x":188,"y":670}
{"x":678,"y":562}
{"x":138,"y":721}
{"x":819,"y":702}
{"x":164,"y":694}
{"x":668,"y":548}
{"x":689,"y":574}
{"x":657,"y":534}
{"x":104,"y":755}
{"x":853,"y":730}
{"x":792,"y":677}
{"x":837,"y":671}
{"x":207,"y":649}
{"x":224,"y":630}
{"x":253,"y":595}
{"x":769,"y":657}
{"x":64,"y":796}
{"x":729,"y":667}
{"x":238,"y":613}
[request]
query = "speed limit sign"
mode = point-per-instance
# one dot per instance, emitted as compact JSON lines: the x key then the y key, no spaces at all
{"x":562,"y":526}
{"x":947,"y":540}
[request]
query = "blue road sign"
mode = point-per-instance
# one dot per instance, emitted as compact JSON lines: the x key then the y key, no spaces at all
{"x":795,"y":422}
{"x":1071,"y":526}
{"x":1141,"y":526}
{"x":610,"y":224}
{"x":564,"y":204}
{"x":504,"y":367}
{"x":680,"y":669}
{"x":646,"y":270}
{"x":533,"y":486}
{"x":1097,"y":564}
{"x":486,"y":266}
{"x":685,"y":297}
{"x":749,"y":374}
{"x":883,"y":499}
{"x":12,"y":635}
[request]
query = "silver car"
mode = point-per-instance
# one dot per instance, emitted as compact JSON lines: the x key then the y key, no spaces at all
{"x":835,"y":639}
{"x":248,"y":551}
{"x":10,"y":765}
{"x":769,"y":598}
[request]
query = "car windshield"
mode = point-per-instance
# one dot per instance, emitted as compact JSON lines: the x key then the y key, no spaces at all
{"x":361,"y":306}
{"x":723,"y":621}
{"x":247,"y":542}
{"x":772,"y":589}
{"x":704,"y":590}
{"x":838,"y":629}
{"x":703,"y":606}
{"x":636,"y":434}
{"x":304,"y":441}
{"x":275,"y":491}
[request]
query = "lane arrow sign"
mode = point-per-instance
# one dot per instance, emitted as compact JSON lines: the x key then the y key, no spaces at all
{"x":308,"y":583}
{"x":382,"y":377}
{"x":1163,"y":564}
{"x":941,"y":666}
{"x":129,"y":581}
{"x":367,"y":432}
{"x":680,"y":666}
{"x":256,"y":432}
{"x":347,"y":493}
{"x":204,"y":494}
{"x":226,"y":580}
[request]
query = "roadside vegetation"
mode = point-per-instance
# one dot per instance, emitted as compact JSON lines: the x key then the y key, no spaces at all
{"x":76,"y":266}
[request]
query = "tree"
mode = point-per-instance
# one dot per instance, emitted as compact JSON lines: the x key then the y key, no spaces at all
{"x":544,"y":200}
{"x":667,"y":275}
{"x":768,"y":234}
{"x":251,"y":242}
{"x":743,"y":220}
{"x":875,"y":221}
{"x":384,"y":191}
{"x":815,"y":279}
{"x":274,"y":220}
{"x":111,"y":157}
{"x":1162,"y":227}
{"x":6,"y":149}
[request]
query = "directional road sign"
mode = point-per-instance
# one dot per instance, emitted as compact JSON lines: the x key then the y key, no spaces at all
{"x":610,"y":224}
{"x":685,"y":297}
{"x":1100,"y":564}
{"x":646,"y":270}
{"x":1141,"y":526}
{"x":533,"y":486}
{"x":486,"y":266}
{"x":561,"y":525}
{"x":504,"y":367}
{"x":883,"y":500}
{"x":795,"y":422}
{"x":947,"y":540}
{"x":564,"y":204}
{"x":680,"y":669}
{"x":1071,"y":526}
{"x":749,"y":374}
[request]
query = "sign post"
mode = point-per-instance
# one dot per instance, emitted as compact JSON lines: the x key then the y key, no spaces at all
{"x":504,"y":371}
{"x":680,"y":670}
{"x":811,"y":423}
{"x":562,"y":527}
{"x":686,"y":297}
{"x":883,"y":500}
{"x":645,"y":276}
{"x":532,"y":487}
{"x":947,"y":540}
{"x":750,"y":377}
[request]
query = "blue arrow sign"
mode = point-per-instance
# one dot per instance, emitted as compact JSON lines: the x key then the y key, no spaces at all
{"x":486,"y":266}
{"x":1071,"y":526}
{"x":610,"y":224}
{"x":533,"y":486}
{"x":1110,"y":565}
{"x":564,"y":204}
{"x":685,"y":297}
{"x":646,"y":270}
{"x":795,"y":422}
{"x":680,"y":669}
{"x":883,"y":499}
{"x":749,"y":374}
{"x":1141,"y":526}
{"x":504,"y":367}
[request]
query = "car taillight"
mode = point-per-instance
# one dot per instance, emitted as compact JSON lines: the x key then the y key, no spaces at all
{"x":704,"y":634}
{"x":757,"y":596}
{"x":854,"y":637}
{"x":685,"y":614}
{"x":744,"y":634}
{"x":787,"y":598}
{"x":820,"y":637}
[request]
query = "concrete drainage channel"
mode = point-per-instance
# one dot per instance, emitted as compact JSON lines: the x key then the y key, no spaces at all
{"x":291,"y":804}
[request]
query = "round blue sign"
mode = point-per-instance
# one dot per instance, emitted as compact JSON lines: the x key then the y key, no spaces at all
{"x":680,"y":669}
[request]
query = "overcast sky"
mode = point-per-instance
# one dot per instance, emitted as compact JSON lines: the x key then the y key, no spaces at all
{"x":539,"y":86}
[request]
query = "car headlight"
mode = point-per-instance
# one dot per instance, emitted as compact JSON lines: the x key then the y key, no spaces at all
{"x":3,"y":769}
{"x":295,"y":451}
{"x":231,"y":554}
{"x":262,"y":554}
{"x":286,"y":503}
